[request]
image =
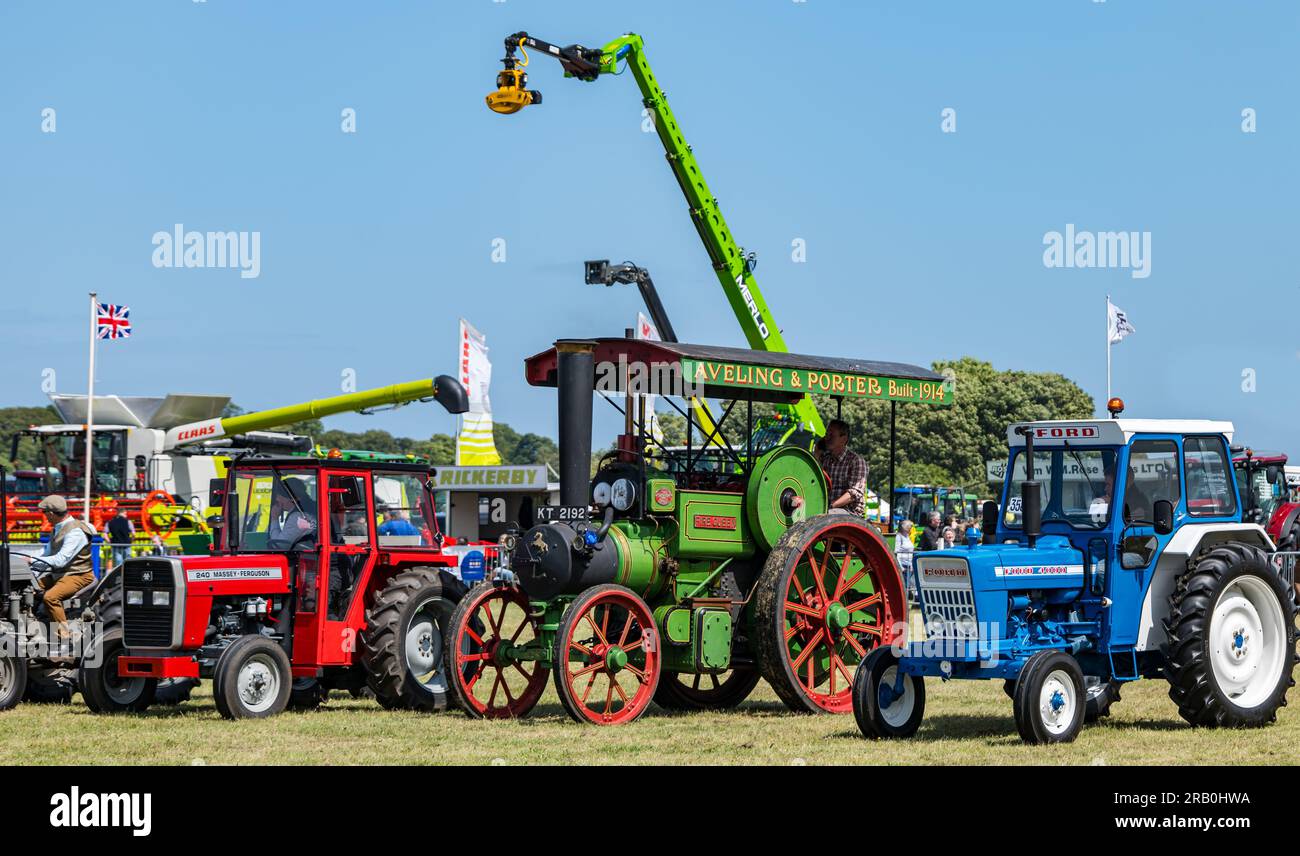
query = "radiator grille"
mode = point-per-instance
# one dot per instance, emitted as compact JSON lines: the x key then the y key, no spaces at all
{"x":145,"y":625}
{"x":947,"y":600}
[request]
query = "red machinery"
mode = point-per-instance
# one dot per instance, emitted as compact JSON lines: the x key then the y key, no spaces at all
{"x":1261,"y":480}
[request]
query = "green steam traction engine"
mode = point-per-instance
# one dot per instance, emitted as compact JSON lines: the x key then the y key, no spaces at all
{"x":683,"y":576}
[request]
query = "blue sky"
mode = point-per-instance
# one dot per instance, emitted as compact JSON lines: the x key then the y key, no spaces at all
{"x":817,"y":120}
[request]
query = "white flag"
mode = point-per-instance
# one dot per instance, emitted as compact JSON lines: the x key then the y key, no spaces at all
{"x":474,"y":443}
{"x":1117,"y":323}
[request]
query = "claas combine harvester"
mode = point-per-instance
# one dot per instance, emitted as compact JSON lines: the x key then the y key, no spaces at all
{"x":668,"y":577}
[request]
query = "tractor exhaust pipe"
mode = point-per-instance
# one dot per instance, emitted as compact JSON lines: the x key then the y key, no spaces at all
{"x":576,"y":382}
{"x":1031,"y":496}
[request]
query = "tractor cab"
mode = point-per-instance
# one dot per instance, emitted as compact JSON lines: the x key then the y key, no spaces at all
{"x":1261,"y":481}
{"x":1117,"y":543}
{"x":305,"y":550}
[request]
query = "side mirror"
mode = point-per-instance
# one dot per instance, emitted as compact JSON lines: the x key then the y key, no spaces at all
{"x":1163,"y":512}
{"x":1272,"y":472}
{"x":989,"y":524}
{"x":448,"y":392}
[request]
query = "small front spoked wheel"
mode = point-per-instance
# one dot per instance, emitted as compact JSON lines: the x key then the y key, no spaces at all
{"x":607,"y":658}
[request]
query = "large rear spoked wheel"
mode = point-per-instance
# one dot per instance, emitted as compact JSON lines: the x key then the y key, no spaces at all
{"x":607,"y":659}
{"x":829,"y":593}
{"x":686,"y":691}
{"x":485,"y":679}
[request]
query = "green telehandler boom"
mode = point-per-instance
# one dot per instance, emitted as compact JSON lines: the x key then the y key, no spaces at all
{"x":734,"y":267}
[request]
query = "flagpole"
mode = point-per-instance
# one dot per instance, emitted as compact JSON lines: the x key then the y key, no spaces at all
{"x":90,"y":414}
{"x":1108,"y":350}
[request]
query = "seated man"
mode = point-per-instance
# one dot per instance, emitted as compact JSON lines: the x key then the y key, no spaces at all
{"x":66,"y":566}
{"x":293,"y":517}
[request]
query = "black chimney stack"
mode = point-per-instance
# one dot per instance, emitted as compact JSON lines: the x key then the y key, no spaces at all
{"x":576,"y":379}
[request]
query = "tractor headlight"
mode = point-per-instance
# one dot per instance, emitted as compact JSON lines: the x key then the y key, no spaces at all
{"x":967,"y":628}
{"x":161,"y":598}
{"x":623,"y":494}
{"x":600,"y":493}
{"x":135,"y":598}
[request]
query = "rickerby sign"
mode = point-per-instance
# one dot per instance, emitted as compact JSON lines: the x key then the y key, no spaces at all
{"x":531,"y":477}
{"x":814,"y":381}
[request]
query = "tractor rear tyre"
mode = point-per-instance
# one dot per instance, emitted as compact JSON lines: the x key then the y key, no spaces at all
{"x":829,"y":592}
{"x":686,"y":691}
{"x":50,"y":686}
{"x":252,"y":679}
{"x":880,"y":710}
{"x":1099,"y":695}
{"x":1049,"y":703}
{"x":402,"y":645}
{"x":1232,"y":639}
{"x":487,"y":682}
{"x":607,"y":659}
{"x":307,"y":694}
{"x":13,"y":679}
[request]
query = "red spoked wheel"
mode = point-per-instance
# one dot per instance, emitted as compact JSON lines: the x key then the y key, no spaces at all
{"x":607,"y":660}
{"x":486,"y":679}
{"x":829,"y":593}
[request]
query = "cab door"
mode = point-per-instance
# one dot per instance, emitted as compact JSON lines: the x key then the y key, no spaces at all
{"x":1150,"y":471}
{"x":348,"y":557}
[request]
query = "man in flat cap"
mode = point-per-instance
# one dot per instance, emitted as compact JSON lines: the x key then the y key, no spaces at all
{"x":65,"y":568}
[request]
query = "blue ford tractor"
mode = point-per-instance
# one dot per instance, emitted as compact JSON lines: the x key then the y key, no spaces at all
{"x":1120,"y":553}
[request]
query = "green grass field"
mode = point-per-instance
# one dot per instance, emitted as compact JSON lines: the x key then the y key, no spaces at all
{"x":966,"y":723}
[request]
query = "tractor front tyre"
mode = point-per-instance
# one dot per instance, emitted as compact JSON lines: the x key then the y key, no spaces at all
{"x":13,"y":679}
{"x":487,"y":681}
{"x":1232,"y":638}
{"x":307,"y":694}
{"x":402,"y":645}
{"x":698,"y":691}
{"x":1049,"y":703}
{"x":607,"y":660}
{"x":880,"y":707}
{"x":252,"y":679}
{"x":1099,"y":695}
{"x":829,"y":592}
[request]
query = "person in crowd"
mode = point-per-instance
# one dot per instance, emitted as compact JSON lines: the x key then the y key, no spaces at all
{"x":932,"y":534}
{"x":903,"y":550}
{"x":66,"y":566}
{"x":120,"y":533}
{"x":949,"y":538}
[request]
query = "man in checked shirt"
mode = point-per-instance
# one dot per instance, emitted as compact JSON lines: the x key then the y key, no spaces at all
{"x":846,"y":471}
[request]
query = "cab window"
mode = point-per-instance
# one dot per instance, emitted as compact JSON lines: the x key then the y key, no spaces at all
{"x":1209,"y":482}
{"x":1152,"y":475}
{"x":404,"y":515}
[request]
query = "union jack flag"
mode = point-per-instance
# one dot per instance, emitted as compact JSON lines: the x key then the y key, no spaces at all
{"x":113,"y":322}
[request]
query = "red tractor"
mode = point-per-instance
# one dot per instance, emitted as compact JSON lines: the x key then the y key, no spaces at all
{"x":1267,"y":499}
{"x":329,"y":575}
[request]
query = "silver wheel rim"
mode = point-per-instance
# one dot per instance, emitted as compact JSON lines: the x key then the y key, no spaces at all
{"x":1057,"y":701}
{"x":1247,"y":641}
{"x":899,"y":711}
{"x":258,"y":683}
{"x":423,"y":647}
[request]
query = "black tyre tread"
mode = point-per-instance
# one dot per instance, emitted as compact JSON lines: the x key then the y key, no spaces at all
{"x":1190,"y":675}
{"x":768,"y":640}
{"x":174,"y":691}
{"x":308,"y":697}
{"x":671,"y":695}
{"x":381,"y":643}
{"x":108,"y":612}
{"x":864,"y":703}
{"x":50,"y":686}
{"x":1098,"y":707}
{"x":226,"y":668}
